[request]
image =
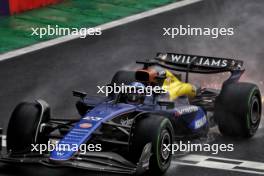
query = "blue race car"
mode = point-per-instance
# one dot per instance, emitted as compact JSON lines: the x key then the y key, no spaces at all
{"x":129,"y":132}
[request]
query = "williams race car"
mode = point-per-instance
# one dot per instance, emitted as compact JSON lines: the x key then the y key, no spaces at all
{"x":133,"y":128}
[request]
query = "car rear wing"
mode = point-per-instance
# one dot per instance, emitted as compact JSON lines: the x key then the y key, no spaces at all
{"x":194,"y":63}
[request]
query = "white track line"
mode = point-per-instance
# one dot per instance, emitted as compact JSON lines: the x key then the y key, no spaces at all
{"x":3,"y":141}
{"x":221,"y":163}
{"x":105,"y":26}
{"x":212,"y":163}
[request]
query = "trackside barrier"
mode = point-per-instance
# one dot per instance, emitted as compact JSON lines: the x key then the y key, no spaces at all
{"x":17,"y":6}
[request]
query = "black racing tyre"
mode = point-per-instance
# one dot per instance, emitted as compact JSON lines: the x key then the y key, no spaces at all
{"x":23,"y":126}
{"x":123,"y":76}
{"x":238,"y":110}
{"x":155,"y":129}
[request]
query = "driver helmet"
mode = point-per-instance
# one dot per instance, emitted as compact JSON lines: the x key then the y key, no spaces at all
{"x":137,"y":96}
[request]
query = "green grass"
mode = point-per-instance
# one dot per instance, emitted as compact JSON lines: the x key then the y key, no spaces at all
{"x":15,"y":31}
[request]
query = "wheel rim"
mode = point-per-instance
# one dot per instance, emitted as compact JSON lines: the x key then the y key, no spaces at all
{"x":165,"y":140}
{"x":255,"y":111}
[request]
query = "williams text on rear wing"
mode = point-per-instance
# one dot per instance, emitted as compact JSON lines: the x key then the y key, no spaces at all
{"x":197,"y":64}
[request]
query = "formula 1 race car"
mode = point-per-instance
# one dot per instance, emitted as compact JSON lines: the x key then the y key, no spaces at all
{"x":134,"y":128}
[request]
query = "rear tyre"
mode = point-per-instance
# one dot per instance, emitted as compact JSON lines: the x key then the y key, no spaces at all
{"x":238,"y":110}
{"x":158,"y":131}
{"x":23,"y":127}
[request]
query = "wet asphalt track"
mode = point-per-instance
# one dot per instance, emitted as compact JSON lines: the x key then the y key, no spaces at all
{"x":52,"y":73}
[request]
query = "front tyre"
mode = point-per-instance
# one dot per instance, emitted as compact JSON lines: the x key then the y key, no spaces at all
{"x":24,"y":125}
{"x":158,"y":131}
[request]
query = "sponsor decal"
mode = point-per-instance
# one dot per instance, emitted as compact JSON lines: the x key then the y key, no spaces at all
{"x":93,"y":118}
{"x":199,"y":60}
{"x":60,"y":153}
{"x":200,"y":122}
{"x":86,"y":125}
{"x":186,"y":110}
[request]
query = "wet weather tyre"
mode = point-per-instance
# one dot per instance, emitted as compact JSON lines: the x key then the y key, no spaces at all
{"x":23,"y":126}
{"x":238,"y":110}
{"x":156,"y":130}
